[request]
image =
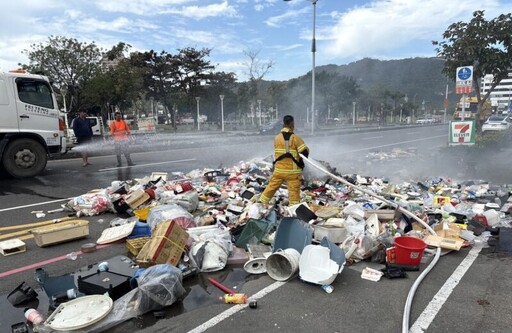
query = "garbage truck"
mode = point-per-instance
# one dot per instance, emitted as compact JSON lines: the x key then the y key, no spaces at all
{"x":31,"y":128}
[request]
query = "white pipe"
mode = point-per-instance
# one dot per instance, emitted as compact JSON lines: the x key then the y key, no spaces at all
{"x":410,"y":296}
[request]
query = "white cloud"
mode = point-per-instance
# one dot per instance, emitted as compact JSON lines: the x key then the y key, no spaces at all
{"x":289,"y":17}
{"x":384,"y":26}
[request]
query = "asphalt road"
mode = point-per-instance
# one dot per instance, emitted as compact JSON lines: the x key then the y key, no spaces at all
{"x":467,"y":291}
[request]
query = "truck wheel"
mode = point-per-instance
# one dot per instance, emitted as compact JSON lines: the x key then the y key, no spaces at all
{"x":24,"y":158}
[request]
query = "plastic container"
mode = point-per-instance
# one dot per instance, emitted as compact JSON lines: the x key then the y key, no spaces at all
{"x":328,"y":288}
{"x":33,"y":316}
{"x":409,"y":250}
{"x":316,"y":266}
{"x":334,"y":234}
{"x":492,"y":216}
{"x":234,"y":298}
{"x":283,"y":264}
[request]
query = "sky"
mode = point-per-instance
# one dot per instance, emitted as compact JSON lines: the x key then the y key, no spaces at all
{"x":279,"y":31}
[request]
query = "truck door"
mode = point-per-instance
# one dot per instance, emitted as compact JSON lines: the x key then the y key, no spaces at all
{"x":36,"y":109}
{"x":8,"y":114}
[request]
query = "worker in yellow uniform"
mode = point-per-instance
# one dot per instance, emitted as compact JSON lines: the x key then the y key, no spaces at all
{"x":288,"y":164}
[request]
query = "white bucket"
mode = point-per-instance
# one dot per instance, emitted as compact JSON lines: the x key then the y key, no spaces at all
{"x":283,"y":264}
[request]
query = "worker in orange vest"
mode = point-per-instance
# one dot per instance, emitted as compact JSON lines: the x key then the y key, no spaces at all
{"x":121,"y":132}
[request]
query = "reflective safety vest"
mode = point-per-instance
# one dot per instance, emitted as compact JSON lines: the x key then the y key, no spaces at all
{"x":119,"y":130}
{"x":287,"y":147}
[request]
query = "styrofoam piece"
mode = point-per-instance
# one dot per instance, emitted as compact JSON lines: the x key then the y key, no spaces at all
{"x":315,"y":265}
{"x":80,"y":312}
{"x":12,"y":246}
{"x":373,"y":225}
{"x":113,"y":234}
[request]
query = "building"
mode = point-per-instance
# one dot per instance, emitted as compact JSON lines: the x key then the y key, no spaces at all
{"x":501,"y":96}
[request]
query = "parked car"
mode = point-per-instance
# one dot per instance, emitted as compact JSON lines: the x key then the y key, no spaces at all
{"x":425,"y":121}
{"x":497,"y":123}
{"x":274,"y":127}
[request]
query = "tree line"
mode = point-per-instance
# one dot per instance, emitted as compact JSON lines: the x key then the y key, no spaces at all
{"x":85,"y":75}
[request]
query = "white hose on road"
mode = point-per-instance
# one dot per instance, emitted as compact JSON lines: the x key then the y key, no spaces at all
{"x":410,"y":296}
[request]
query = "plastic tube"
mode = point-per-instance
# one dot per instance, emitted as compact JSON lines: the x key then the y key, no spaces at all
{"x":410,"y":296}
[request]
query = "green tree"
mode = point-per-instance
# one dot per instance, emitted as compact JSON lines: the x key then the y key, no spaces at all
{"x":117,"y":83}
{"x":160,"y":72}
{"x":68,"y":63}
{"x":485,"y":45}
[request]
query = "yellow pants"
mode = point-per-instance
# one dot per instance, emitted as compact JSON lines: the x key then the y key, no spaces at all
{"x":293,"y":182}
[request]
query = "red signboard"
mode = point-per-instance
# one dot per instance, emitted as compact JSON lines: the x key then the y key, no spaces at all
{"x":463,"y":90}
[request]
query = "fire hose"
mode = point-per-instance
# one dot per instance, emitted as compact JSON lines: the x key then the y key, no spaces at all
{"x":412,"y":291}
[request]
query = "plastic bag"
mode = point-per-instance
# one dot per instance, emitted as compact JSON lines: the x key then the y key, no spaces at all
{"x":210,"y":250}
{"x":158,"y":286}
{"x":170,"y":212}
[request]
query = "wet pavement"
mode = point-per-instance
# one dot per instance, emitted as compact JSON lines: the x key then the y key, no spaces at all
{"x":201,"y":295}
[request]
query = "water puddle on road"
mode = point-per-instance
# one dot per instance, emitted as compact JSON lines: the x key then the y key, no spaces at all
{"x":200,"y":293}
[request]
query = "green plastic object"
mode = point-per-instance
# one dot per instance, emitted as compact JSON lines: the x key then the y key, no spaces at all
{"x":253,"y":232}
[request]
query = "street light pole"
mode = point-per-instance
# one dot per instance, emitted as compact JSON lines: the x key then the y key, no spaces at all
{"x":197,"y":102}
{"x":353,"y":113}
{"x":222,"y":111}
{"x":313,"y":51}
{"x":259,"y":110}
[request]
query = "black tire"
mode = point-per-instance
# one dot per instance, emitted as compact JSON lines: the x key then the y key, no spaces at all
{"x":24,"y":158}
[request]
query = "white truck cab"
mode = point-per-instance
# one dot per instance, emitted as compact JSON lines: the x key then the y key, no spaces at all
{"x":30,"y":126}
{"x":98,"y":129}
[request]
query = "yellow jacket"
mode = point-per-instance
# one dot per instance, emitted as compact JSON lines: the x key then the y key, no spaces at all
{"x":296,"y":146}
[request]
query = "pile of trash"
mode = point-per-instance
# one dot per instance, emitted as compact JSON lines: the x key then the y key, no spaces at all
{"x":183,"y":224}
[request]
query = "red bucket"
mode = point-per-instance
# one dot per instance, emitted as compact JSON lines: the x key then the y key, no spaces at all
{"x":409,"y":250}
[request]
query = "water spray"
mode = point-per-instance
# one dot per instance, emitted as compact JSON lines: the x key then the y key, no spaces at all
{"x":410,"y":296}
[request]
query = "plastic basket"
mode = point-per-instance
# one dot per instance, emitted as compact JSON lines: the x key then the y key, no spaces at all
{"x":134,"y":245}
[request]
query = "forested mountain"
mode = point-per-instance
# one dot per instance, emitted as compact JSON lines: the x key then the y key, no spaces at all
{"x":419,"y":78}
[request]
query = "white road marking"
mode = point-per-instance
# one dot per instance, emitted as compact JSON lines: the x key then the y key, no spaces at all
{"x":147,"y":164}
{"x":234,"y":309}
{"x":432,"y":309}
{"x":34,"y":204}
{"x":388,"y":145}
{"x":373,"y":137}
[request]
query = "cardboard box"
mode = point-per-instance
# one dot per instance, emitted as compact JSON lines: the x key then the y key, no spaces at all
{"x":445,"y":243}
{"x":61,"y":232}
{"x":165,"y":246}
{"x":136,"y":198}
{"x":448,"y":230}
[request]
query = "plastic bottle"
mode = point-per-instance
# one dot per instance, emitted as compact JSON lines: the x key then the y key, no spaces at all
{"x":33,"y":316}
{"x":234,"y":298}
{"x":328,"y":288}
